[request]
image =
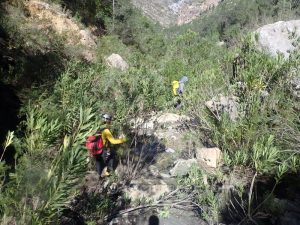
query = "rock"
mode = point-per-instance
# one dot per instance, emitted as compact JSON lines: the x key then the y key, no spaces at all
{"x":205,"y":180}
{"x":142,"y":126}
{"x":94,"y":184}
{"x":170,"y":150}
{"x":91,"y":182}
{"x":160,"y":137}
{"x":220,"y":43}
{"x":52,"y":15}
{"x":279,"y":37}
{"x":87,"y":39}
{"x":295,"y":86}
{"x":88,"y":55}
{"x":190,"y":11}
{"x":211,"y":156}
{"x":123,"y":220}
{"x":156,"y":125}
{"x":151,"y":189}
{"x":154,"y":171}
{"x":181,"y":217}
{"x":182,"y":167}
{"x":222,"y":104}
{"x":175,"y":7}
{"x":116,"y":61}
{"x":227,"y":187}
{"x":174,"y":12}
{"x":164,"y":134}
{"x":264,"y":93}
{"x":174,"y":137}
{"x":148,"y":217}
{"x":168,"y":118}
{"x":151,"y":217}
{"x":165,"y":176}
{"x":140,"y":123}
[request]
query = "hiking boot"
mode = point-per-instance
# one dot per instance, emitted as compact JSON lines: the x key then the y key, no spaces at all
{"x":105,"y":174}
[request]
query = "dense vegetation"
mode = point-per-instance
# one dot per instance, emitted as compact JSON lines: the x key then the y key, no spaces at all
{"x":62,"y":98}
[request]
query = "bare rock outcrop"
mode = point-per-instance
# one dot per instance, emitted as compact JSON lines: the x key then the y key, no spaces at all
{"x":116,"y":61}
{"x":150,"y":189}
{"x":151,"y":125}
{"x":51,"y":15}
{"x":223,"y":104}
{"x":212,"y":157}
{"x":182,"y":167}
{"x":174,"y":12}
{"x":280,"y":37}
{"x":189,"y":12}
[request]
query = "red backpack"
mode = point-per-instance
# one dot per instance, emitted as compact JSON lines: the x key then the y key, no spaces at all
{"x":94,"y":144}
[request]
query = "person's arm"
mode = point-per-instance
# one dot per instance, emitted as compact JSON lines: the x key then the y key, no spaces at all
{"x":111,"y":139}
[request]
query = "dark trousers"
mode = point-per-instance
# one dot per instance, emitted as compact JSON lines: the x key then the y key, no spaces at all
{"x":110,"y":159}
{"x":177,"y":102}
{"x":103,"y":160}
{"x":100,"y":163}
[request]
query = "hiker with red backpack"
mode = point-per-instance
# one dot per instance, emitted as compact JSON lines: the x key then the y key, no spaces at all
{"x":100,"y":146}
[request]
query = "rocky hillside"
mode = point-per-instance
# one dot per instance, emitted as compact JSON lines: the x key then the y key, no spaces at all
{"x":228,"y":155}
{"x":53,"y":18}
{"x":174,"y":12}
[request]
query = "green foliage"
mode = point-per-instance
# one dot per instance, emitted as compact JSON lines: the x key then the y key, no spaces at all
{"x":112,"y":44}
{"x":62,"y":112}
{"x":57,"y":123}
{"x":231,"y":18}
{"x":147,"y":41}
{"x":164,"y":213}
{"x":8,"y":142}
{"x":41,"y":132}
{"x":265,"y":155}
{"x":29,"y":48}
{"x":40,"y":189}
{"x":244,"y":141}
{"x":89,"y":12}
{"x":98,"y":205}
{"x":203,"y":193}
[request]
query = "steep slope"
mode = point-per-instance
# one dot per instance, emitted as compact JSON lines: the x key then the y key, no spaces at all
{"x":53,"y":17}
{"x":163,"y":165}
{"x":174,"y":12}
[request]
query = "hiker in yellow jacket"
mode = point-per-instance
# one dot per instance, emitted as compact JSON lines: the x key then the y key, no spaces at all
{"x":109,"y":154}
{"x":177,"y":90}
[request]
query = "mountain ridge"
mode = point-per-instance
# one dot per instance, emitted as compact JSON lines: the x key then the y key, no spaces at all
{"x":174,"y":12}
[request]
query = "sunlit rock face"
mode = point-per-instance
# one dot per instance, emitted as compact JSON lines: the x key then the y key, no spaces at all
{"x":281,"y":37}
{"x":53,"y":17}
{"x":174,"y":12}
